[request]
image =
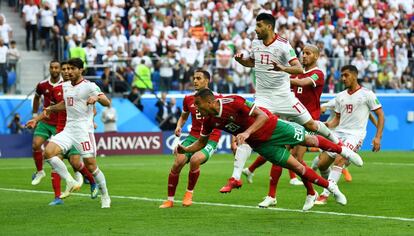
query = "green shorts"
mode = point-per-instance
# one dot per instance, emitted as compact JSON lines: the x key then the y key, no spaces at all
{"x":44,"y":130}
{"x":286,"y":133}
{"x":72,"y":151}
{"x":208,"y":150}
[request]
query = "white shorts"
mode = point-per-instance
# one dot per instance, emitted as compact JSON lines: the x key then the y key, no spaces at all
{"x":287,"y":108}
{"x":353,"y":142}
{"x":84,"y":142}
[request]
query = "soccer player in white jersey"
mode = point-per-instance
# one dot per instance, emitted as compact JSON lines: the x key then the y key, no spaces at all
{"x":352,"y":108}
{"x":274,"y":59}
{"x":79,"y":99}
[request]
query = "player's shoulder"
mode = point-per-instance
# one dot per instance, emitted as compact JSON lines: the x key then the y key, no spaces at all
{"x":282,"y":39}
{"x":43,"y":82}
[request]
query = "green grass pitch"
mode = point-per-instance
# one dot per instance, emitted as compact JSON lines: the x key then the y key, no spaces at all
{"x":380,"y":201}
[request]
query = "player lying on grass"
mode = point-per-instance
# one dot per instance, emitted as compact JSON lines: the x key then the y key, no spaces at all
{"x":265,"y":133}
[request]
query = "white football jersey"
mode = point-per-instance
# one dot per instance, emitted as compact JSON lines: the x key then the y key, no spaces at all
{"x":354,"y":110}
{"x":279,"y":51}
{"x":79,"y":115}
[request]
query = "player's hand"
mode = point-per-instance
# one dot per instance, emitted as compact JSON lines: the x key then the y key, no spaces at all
{"x":95,"y":125}
{"x":92,"y":100}
{"x":238,"y":57}
{"x":241,"y":138}
{"x":47,"y":111}
{"x":233,"y":145}
{"x":376,"y":144}
{"x":177,"y":132}
{"x":277,"y":67}
{"x":31,"y":124}
{"x":180,"y":149}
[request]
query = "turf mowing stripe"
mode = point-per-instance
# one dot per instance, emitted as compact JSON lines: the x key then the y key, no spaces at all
{"x":225,"y":205}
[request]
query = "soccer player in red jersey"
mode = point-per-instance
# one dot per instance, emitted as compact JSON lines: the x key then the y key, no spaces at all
{"x":265,"y":133}
{"x":201,"y":79}
{"x":308,"y":89}
{"x":46,"y":128}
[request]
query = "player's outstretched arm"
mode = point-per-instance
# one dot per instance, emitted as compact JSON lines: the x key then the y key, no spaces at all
{"x":36,"y":103}
{"x":181,"y":121}
{"x":295,"y":67}
{"x":247,"y":62}
{"x":195,"y":147}
{"x":101,"y":98}
{"x":31,"y":124}
{"x":55,"y":108}
{"x":302,"y":82}
{"x":373,"y":119}
{"x":334,"y":121}
{"x":260,"y":119}
{"x":376,"y":142}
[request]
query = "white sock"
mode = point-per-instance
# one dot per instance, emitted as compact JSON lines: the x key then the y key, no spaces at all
{"x":327,"y":133}
{"x":171,"y":199}
{"x":315,"y":163}
{"x":325,"y":173}
{"x":59,"y":167}
{"x":335,"y":175}
{"x":242,"y":153}
{"x":100,"y":180}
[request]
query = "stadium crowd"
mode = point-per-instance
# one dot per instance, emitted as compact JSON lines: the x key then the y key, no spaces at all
{"x":158,"y":44}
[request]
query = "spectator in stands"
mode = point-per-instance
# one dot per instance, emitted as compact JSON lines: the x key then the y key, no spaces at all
{"x":110,"y":59}
{"x":46,"y":23}
{"x":109,"y":118}
{"x":228,"y":86}
{"x":91,"y":55}
{"x":135,"y":97}
{"x":3,"y":65}
{"x":168,"y":113}
{"x":162,"y":106}
{"x":15,"y":126}
{"x":142,"y":77}
{"x":13,"y":56}
{"x":357,"y":43}
{"x":6,"y":32}
{"x":223,"y":60}
{"x":112,"y":81}
{"x":361,"y":64}
{"x":30,"y":11}
{"x":166,"y":65}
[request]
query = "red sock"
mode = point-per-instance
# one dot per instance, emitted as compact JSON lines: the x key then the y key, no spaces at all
{"x":308,"y":185}
{"x":172,"y":183}
{"x":55,"y":177}
{"x":311,"y":176}
{"x":327,"y":145}
{"x":38,"y":159}
{"x":192,"y":179}
{"x":257,"y":163}
{"x":292,"y":174}
{"x":87,"y":174}
{"x":275,"y":173}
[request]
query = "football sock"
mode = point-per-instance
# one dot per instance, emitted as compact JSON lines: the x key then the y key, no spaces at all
{"x":335,"y":175}
{"x":55,"y":183}
{"x":312,"y":177}
{"x":242,"y":153}
{"x":172,"y":184}
{"x":292,"y":174}
{"x":257,"y":163}
{"x":86,"y":173}
{"x":192,"y":179}
{"x":326,"y":132}
{"x":327,"y":145}
{"x":59,"y":167}
{"x":315,"y":163}
{"x":275,"y":173}
{"x":308,"y":185}
{"x":38,"y":159}
{"x":101,"y":181}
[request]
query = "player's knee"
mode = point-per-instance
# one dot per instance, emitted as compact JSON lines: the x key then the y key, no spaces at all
{"x":36,"y":145}
{"x":311,"y":125}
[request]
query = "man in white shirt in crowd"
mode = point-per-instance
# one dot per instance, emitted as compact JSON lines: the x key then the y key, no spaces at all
{"x":30,"y":20}
{"x":3,"y":65}
{"x":46,"y":22}
{"x":6,"y":32}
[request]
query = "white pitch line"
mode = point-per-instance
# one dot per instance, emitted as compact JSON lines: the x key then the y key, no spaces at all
{"x":225,"y":205}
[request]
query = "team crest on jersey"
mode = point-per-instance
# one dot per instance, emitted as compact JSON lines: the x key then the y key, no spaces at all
{"x":47,"y":91}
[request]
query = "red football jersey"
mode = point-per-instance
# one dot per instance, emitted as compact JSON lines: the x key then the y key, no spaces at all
{"x":310,"y":96}
{"x":197,"y":119}
{"x":57,"y":96}
{"x":45,"y":88}
{"x":235,"y":117}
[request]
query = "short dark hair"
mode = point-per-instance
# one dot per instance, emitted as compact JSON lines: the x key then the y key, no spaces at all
{"x":76,"y":62}
{"x":351,"y":68}
{"x":204,"y":93}
{"x":205,"y":73}
{"x":54,"y":61}
{"x":12,"y":42}
{"x":267,"y":18}
{"x":64,"y":63}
